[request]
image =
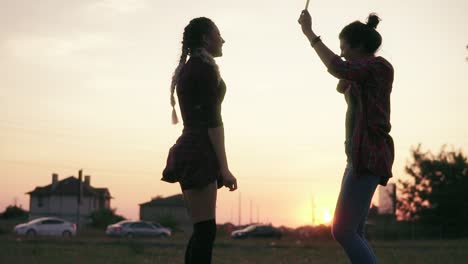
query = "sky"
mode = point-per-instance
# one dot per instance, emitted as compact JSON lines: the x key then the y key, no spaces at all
{"x":84,"y":84}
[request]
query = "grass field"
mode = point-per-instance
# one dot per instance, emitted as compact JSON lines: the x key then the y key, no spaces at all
{"x":102,"y":250}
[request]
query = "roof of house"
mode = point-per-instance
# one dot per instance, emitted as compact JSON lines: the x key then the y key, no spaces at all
{"x":70,"y":186}
{"x":175,"y":200}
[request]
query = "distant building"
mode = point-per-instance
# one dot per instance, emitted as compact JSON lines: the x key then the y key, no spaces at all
{"x":387,"y":199}
{"x":171,"y":208}
{"x":60,"y":199}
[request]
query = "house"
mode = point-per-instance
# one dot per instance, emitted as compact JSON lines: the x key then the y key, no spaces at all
{"x":387,"y":199}
{"x":61,"y":198}
{"x":169,"y":209}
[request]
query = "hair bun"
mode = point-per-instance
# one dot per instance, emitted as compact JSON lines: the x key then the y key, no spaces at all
{"x":373,"y":20}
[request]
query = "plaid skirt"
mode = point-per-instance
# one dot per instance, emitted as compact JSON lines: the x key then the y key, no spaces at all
{"x":192,"y":161}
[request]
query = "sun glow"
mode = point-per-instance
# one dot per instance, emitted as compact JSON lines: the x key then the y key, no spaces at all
{"x":326,"y":216}
{"x":322,"y":216}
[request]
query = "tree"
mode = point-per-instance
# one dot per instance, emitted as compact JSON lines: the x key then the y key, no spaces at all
{"x":104,"y":217}
{"x":14,"y":212}
{"x":437,"y":192}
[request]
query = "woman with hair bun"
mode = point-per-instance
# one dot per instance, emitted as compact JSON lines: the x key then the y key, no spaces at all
{"x":366,"y":82}
{"x":198,"y":159}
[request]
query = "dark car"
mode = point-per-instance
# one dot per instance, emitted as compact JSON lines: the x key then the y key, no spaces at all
{"x":257,"y":231}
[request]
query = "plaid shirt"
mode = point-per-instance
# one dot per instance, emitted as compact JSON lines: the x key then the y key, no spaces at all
{"x":368,"y":83}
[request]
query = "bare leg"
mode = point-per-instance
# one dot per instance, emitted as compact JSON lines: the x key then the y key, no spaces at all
{"x":201,"y":204}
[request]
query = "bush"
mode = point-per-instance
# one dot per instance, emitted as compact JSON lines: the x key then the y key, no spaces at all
{"x":15,"y":212}
{"x":3,"y":231}
{"x":103,"y":218}
{"x":169,"y":221}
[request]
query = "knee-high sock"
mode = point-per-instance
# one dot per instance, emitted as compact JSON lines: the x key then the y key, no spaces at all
{"x":188,"y":251}
{"x":201,"y":244}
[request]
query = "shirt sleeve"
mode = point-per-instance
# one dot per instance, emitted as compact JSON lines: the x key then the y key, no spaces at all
{"x":351,"y":71}
{"x":210,"y":107}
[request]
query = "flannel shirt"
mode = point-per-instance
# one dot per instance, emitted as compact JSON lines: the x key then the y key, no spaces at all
{"x":368,"y":82}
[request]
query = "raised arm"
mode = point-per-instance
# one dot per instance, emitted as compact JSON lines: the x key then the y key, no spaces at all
{"x":336,"y":66}
{"x":324,"y":53}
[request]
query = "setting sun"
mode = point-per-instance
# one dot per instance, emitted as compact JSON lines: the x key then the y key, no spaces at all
{"x":326,"y":217}
{"x":322,"y":216}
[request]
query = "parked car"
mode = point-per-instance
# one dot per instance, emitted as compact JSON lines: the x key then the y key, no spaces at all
{"x":257,"y":231}
{"x":137,"y":228}
{"x":47,"y":226}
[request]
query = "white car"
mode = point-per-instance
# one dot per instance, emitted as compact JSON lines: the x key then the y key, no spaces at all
{"x":47,"y":226}
{"x":137,"y":228}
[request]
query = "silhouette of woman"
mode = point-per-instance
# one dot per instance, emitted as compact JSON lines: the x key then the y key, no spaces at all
{"x":366,"y":82}
{"x":198,"y":159}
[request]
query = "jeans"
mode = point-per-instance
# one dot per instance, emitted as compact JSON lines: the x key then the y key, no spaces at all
{"x":351,"y":213}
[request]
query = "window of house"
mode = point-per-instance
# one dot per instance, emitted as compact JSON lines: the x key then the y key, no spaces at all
{"x":40,"y":201}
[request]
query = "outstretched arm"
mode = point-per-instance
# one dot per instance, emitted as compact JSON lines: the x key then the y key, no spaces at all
{"x":343,"y":70}
{"x":324,"y":53}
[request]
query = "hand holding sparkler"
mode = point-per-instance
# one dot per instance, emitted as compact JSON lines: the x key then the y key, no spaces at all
{"x":305,"y":20}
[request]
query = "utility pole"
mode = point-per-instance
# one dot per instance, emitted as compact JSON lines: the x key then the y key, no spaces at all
{"x":240,"y":210}
{"x":313,"y":210}
{"x":79,"y":197}
{"x":251,"y":211}
{"x":258,"y":214}
{"x":232,"y":209}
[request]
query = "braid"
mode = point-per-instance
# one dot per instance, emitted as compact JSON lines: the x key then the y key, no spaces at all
{"x":175,"y":79}
{"x":207,"y":58}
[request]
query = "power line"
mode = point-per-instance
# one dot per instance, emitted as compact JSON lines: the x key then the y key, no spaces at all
{"x":106,"y":171}
{"x":102,"y":171}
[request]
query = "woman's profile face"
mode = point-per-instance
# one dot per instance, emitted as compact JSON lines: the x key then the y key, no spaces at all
{"x":345,"y":49}
{"x":350,"y":53}
{"x":214,"y":42}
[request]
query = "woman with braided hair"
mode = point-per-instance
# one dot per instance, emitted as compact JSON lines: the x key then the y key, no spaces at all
{"x":366,"y":82}
{"x":198,"y":159}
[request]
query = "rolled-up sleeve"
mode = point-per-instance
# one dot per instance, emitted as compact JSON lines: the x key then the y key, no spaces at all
{"x":351,"y":71}
{"x":210,"y":108}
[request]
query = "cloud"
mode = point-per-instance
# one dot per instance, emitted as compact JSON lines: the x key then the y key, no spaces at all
{"x":29,"y":46}
{"x":45,"y":17}
{"x":118,"y":6}
{"x":75,"y":32}
{"x":55,"y":18}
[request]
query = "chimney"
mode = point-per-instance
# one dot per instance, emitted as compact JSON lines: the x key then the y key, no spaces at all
{"x":87,"y":180}
{"x":54,"y":180}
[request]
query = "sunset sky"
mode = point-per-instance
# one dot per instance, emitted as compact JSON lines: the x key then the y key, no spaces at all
{"x":85,"y":84}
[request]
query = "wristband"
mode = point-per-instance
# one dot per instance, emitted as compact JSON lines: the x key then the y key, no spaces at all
{"x":315,"y":41}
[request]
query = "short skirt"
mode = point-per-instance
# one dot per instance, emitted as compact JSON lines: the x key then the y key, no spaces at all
{"x":192,"y":161}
